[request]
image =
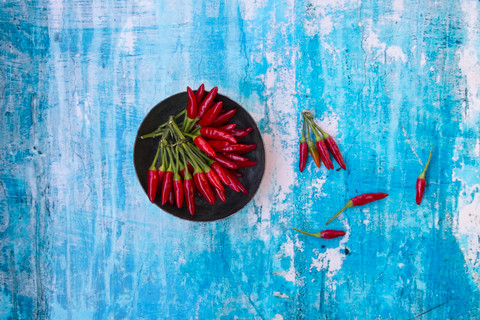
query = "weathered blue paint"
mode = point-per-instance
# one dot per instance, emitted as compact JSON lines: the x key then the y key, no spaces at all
{"x":79,"y":239}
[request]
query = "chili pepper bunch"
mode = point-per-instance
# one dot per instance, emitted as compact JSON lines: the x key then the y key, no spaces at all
{"x":322,"y":148}
{"x":200,"y":153}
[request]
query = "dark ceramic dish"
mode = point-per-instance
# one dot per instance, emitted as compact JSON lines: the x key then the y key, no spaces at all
{"x":144,"y":152}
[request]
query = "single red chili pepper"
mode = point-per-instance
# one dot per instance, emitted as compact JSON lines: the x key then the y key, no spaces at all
{"x":214,"y":133}
{"x":321,"y":146}
{"x":220,"y":194}
{"x":192,"y":104}
{"x":303,"y":149}
{"x":421,"y":182}
{"x":360,"y":200}
{"x":236,"y":182}
{"x":325,"y":234}
{"x":211,"y":114}
{"x":224,"y":117}
{"x":177,"y":182}
{"x":234,"y":157}
{"x":199,"y":93}
{"x":224,"y":162}
{"x":167,"y":180}
{"x":240,"y":133}
{"x":220,"y":173}
{"x":312,"y":149}
{"x":204,"y":146}
{"x":188,"y":186}
{"x":203,"y":186}
{"x":245,"y":164}
{"x":152,"y":178}
{"x":218,"y":145}
{"x":206,"y":103}
{"x":228,"y":127}
{"x":240,"y":148}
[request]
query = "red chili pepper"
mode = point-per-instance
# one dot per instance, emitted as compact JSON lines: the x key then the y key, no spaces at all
{"x":218,"y":145}
{"x":152,"y":183}
{"x":231,"y":182}
{"x":167,"y":183}
{"x":235,"y":181}
{"x":214,"y":179}
{"x":188,"y":189}
{"x":312,"y":149}
{"x":325,"y":234}
{"x":201,"y":181}
{"x":192,"y":104}
{"x":171,"y":198}
{"x":360,"y":200}
{"x":224,"y":162}
{"x":188,"y":186}
{"x":421,"y":182}
{"x":199,"y":93}
{"x":220,"y":173}
{"x":204,"y":146}
{"x":245,"y":164}
{"x":240,"y":133}
{"x":234,"y":157}
{"x":321,"y":146}
{"x":206,"y":103}
{"x":211,"y":114}
{"x":228,"y":127}
{"x":152,"y":178}
{"x":240,"y":148}
{"x":220,"y":194}
{"x":303,"y":149}
{"x":224,"y":117}
{"x":214,"y":133}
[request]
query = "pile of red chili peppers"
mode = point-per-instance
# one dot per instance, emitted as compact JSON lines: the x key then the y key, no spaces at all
{"x":322,"y":148}
{"x":320,"y":151}
{"x":199,"y":153}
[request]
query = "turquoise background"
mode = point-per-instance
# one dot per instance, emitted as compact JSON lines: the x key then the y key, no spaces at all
{"x":388,"y":79}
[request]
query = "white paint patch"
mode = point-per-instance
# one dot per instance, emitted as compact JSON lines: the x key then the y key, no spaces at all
{"x":423,"y":60}
{"x":278,"y":317}
{"x":395,"y":53}
{"x":371,"y":41}
{"x":248,"y":8}
{"x":397,"y":11}
{"x":321,"y":13}
{"x":280,"y":295}
{"x":288,"y":251}
{"x":332,"y":259}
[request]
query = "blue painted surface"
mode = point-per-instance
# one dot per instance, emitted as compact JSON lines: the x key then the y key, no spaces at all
{"x":388,"y":79}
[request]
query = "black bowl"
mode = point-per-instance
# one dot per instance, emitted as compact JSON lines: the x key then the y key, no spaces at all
{"x":144,"y":152}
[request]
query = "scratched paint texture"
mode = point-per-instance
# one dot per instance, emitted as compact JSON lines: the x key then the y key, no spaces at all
{"x":388,"y":79}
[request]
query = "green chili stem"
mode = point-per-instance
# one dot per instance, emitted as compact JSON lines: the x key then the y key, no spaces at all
{"x":152,"y":167}
{"x":348,"y":205}
{"x":428,"y":163}
{"x":317,"y":235}
{"x":184,"y":158}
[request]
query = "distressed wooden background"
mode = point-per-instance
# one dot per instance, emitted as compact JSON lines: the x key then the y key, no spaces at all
{"x":80,"y":240}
